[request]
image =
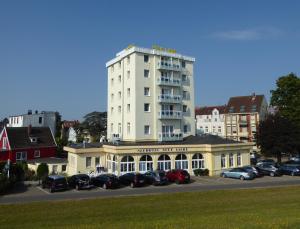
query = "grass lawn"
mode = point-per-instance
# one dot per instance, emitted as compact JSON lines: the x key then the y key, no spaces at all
{"x":253,"y":208}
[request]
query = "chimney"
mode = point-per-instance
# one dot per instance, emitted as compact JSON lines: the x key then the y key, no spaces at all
{"x":29,"y":112}
{"x":253,"y":96}
{"x":29,"y":130}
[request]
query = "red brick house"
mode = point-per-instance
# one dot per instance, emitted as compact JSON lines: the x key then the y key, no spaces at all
{"x":26,"y":143}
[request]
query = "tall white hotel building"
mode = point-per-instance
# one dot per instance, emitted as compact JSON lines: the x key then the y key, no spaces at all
{"x":150,"y":95}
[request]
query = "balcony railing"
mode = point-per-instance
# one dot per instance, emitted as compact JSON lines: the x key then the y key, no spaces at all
{"x":166,"y":114}
{"x":169,"y":136}
{"x":168,"y":81}
{"x":165,"y":65}
{"x":169,"y":98}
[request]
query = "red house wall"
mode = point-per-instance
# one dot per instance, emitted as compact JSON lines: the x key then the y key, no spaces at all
{"x":44,"y":153}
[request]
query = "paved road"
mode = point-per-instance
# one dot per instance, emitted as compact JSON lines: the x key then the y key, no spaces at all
{"x":35,"y":193}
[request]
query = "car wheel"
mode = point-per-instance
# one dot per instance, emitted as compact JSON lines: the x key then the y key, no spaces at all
{"x":104,"y":186}
{"x":132,"y":185}
{"x":292,"y":174}
{"x":77,"y":187}
{"x":177,"y":181}
{"x":51,"y":190}
{"x":242,"y":178}
{"x":224,"y":175}
{"x":272,"y":174}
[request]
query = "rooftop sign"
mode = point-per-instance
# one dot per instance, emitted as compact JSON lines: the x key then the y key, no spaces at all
{"x":156,"y":47}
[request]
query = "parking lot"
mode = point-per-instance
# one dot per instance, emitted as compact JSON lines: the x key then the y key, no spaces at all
{"x":34,"y":192}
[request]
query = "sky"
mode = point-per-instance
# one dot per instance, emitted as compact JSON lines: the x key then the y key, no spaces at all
{"x":53,"y":53}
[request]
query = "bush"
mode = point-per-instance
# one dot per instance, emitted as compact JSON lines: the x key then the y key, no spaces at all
{"x":5,"y":183}
{"x":42,"y":170}
{"x":201,"y":172}
{"x":18,"y":171}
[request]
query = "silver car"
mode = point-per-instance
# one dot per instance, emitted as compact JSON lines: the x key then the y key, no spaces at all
{"x":238,"y":173}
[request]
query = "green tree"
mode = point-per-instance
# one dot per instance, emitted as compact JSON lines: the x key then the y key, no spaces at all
{"x":277,"y":135}
{"x":42,"y":171}
{"x":286,"y":97}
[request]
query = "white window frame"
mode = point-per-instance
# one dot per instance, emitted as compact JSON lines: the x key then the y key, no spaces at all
{"x":239,"y":159}
{"x":35,"y":155}
{"x":146,"y":89}
{"x":231,"y":160}
{"x":181,"y":163}
{"x":198,"y":161}
{"x":90,"y":162}
{"x":223,"y":161}
{"x":23,"y":156}
{"x":149,"y":109}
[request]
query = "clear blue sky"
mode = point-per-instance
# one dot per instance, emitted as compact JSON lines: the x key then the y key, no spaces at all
{"x":53,"y":53}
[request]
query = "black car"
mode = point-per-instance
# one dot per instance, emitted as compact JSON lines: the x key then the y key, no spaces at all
{"x":254,"y":170}
{"x":106,"y":181}
{"x":156,"y":177}
{"x":133,"y":179}
{"x":268,"y":169}
{"x":55,"y":183}
{"x":290,"y":169}
{"x":79,"y":181}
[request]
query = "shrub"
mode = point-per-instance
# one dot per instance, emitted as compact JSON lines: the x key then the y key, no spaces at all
{"x":201,"y":172}
{"x":18,"y":171}
{"x":5,"y":183}
{"x":42,"y":170}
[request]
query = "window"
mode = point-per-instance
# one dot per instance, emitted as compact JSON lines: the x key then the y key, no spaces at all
{"x":119,"y":109}
{"x":223,"y":161}
{"x":112,"y":97}
{"x":164,"y":162}
{"x":146,"y":163}
{"x":219,"y":129}
{"x":88,"y":162}
{"x":197,"y":161}
{"x":64,"y":168}
{"x":128,"y":127}
{"x":40,"y":120}
{"x":120,"y":78}
{"x":181,"y":162}
{"x":231,"y":160}
{"x":185,"y":129}
{"x":128,"y":59}
{"x":128,"y":107}
{"x":111,"y":127}
{"x":111,"y":110}
{"x":147,"y":130}
{"x":242,"y":108}
{"x":146,"y":58}
{"x":127,"y":164}
{"x":120,"y":94}
{"x":185,"y":95}
{"x":128,"y":74}
{"x":54,"y":169}
{"x":146,"y":73}
{"x":147,"y":107}
{"x":4,"y":143}
{"x":119,"y":128}
{"x":112,"y":81}
{"x":37,"y":153}
{"x":21,"y":156}
{"x":128,"y":92}
{"x":97,"y":161}
{"x":183,"y":64}
{"x":238,"y":159}
{"x":184,"y":78}
{"x":184,"y":108}
{"x":147,"y":91}
{"x":231,"y":109}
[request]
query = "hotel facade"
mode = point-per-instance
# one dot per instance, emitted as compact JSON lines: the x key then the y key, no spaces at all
{"x":151,"y":120}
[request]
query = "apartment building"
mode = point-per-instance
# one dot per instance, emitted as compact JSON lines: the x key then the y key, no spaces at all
{"x":211,"y":120}
{"x":242,"y":116}
{"x":36,"y":119}
{"x":150,"y":95}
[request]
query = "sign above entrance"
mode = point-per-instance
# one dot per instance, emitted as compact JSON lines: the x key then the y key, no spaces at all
{"x":157,"y":150}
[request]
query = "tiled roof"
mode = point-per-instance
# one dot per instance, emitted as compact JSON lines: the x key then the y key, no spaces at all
{"x":208,"y":110}
{"x":244,"y":104}
{"x":19,"y":137}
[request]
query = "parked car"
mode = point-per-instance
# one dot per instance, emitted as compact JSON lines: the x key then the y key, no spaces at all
{"x":179,"y":176}
{"x":254,"y":156}
{"x":238,"y":173}
{"x":266,"y":161}
{"x":106,"y":181}
{"x":79,"y":181}
{"x":268,"y":169}
{"x":253,"y":170}
{"x":156,"y":177}
{"x":290,"y":169}
{"x":133,"y":179}
{"x":55,"y":183}
{"x":295,"y":158}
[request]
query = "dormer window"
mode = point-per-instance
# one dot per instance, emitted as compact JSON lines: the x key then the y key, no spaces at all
{"x":231,"y":109}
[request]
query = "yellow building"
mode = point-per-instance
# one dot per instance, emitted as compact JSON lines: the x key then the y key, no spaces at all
{"x":193,"y":152}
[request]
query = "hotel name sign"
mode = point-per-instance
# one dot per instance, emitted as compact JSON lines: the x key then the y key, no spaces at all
{"x":157,"y":150}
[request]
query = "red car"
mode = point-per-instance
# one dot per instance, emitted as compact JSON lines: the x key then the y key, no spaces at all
{"x":179,"y":176}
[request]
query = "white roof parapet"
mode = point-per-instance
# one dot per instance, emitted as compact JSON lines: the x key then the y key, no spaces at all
{"x":126,"y":52}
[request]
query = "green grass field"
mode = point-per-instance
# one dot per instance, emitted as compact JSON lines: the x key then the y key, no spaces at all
{"x":254,"y":208}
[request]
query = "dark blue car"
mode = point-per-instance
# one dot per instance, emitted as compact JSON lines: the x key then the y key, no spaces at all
{"x":290,"y":169}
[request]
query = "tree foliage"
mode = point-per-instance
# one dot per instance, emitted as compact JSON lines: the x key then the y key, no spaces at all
{"x":277,"y":135}
{"x":286,"y":97}
{"x":42,"y":170}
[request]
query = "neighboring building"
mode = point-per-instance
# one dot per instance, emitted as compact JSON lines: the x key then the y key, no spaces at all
{"x":150,"y":95}
{"x":194,"y":152}
{"x":55,"y":165}
{"x":68,"y":130}
{"x":242,"y":117}
{"x":211,"y":120}
{"x":151,"y":121}
{"x":43,"y":119}
{"x":26,"y":143}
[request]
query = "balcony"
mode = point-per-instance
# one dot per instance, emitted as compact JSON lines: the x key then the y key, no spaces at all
{"x":168,"y":82}
{"x":166,"y":98}
{"x":165,"y":65}
{"x":170,"y":136}
{"x":166,"y":114}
